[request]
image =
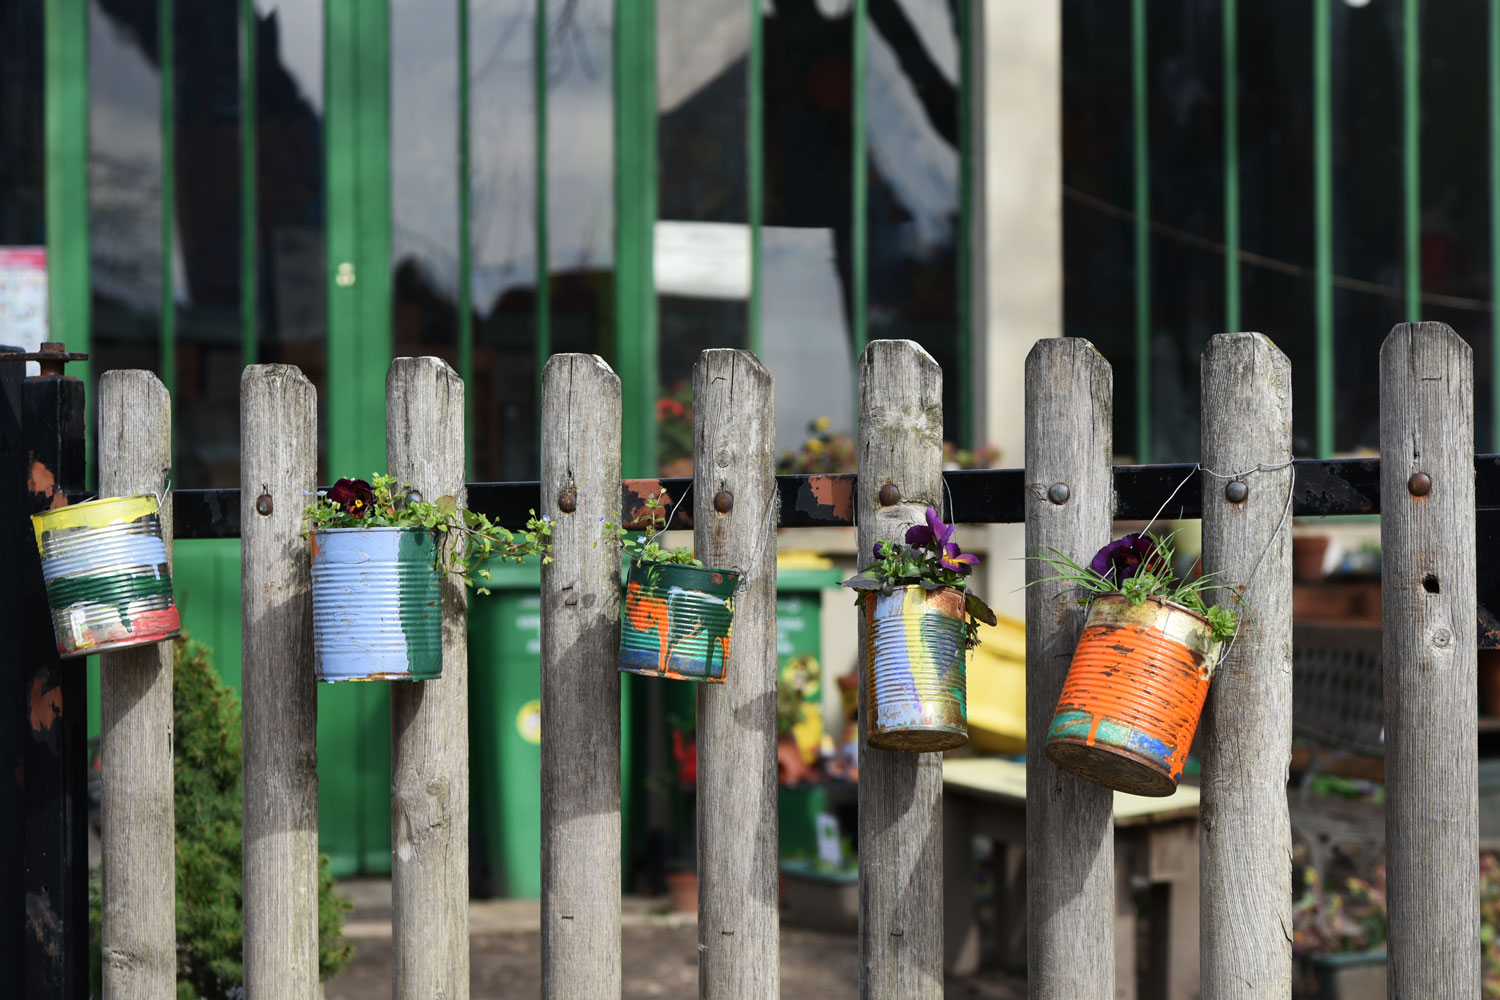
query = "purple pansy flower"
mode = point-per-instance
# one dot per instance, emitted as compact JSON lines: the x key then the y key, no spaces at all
{"x":353,"y":496}
{"x":958,"y":562}
{"x":1122,"y":559}
{"x":934,"y":529}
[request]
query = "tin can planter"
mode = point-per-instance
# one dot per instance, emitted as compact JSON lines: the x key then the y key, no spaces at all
{"x":915,"y":656}
{"x":108,"y":583}
{"x":1133,"y":695}
{"x":377,"y":604}
{"x":677,"y":620}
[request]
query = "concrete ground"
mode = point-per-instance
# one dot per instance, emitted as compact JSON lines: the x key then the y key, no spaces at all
{"x":659,"y":947}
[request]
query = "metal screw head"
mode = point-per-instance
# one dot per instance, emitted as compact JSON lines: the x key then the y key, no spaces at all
{"x":723,"y":501}
{"x":412,"y":496}
{"x":263,"y":505}
{"x":567,"y":500}
{"x":1059,"y":493}
{"x":1420,"y":484}
{"x":890,"y":495}
{"x":1236,"y":492}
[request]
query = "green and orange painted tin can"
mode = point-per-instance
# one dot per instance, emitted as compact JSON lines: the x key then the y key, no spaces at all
{"x":1134,"y":694}
{"x":677,"y":620}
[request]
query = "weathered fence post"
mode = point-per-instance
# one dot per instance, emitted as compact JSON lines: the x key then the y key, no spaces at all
{"x":580,"y":486}
{"x":900,"y":794}
{"x":734,"y":526}
{"x":1428,"y":597}
{"x":135,"y":707}
{"x":1245,"y":943}
{"x":424,"y":429}
{"x":1070,"y":860}
{"x":278,"y":470}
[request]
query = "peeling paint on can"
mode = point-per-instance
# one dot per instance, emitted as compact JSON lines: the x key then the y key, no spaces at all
{"x":915,"y":670}
{"x":677,"y":620}
{"x":1133,"y":695}
{"x":108,"y":583}
{"x":377,"y":604}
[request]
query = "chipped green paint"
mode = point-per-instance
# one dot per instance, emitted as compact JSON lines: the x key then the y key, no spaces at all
{"x":115,"y":590}
{"x":677,"y":621}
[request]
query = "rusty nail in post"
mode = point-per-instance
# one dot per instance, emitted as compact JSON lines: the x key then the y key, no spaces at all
{"x":1420,"y":484}
{"x":890,"y":495}
{"x":1059,"y":493}
{"x":567,"y":500}
{"x":723,"y":501}
{"x":413,"y":496}
{"x":1236,"y":492}
{"x":263,"y":505}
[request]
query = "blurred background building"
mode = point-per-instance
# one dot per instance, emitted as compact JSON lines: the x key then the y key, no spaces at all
{"x":332,"y":183}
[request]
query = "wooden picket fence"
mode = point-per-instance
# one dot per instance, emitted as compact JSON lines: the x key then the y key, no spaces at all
{"x":1429,"y":595}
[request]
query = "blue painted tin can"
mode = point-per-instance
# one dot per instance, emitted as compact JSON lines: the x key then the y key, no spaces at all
{"x":377,"y":604}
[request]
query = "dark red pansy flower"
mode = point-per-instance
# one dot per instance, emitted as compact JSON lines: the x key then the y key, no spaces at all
{"x":354,"y":496}
{"x":1124,"y":558}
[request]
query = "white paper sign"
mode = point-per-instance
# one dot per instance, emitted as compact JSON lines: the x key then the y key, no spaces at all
{"x":830,"y":847}
{"x":23,"y":299}
{"x":703,"y":260}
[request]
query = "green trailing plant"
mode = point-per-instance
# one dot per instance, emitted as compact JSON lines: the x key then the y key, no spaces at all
{"x":1139,"y":567}
{"x":642,"y":545}
{"x":206,"y":759}
{"x":473,"y":540}
{"x":929,"y":558}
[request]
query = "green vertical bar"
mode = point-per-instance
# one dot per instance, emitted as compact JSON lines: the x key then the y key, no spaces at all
{"x":465,"y":237}
{"x":859,"y":231}
{"x":1494,"y":70}
{"x":1411,"y":139}
{"x":968,"y":434}
{"x":1323,"y":222}
{"x":1231,"y":168}
{"x":635,"y":217}
{"x":1142,"y":232}
{"x":67,"y":155}
{"x":166,"y":32}
{"x":755,"y":125}
{"x":249,"y":236}
{"x":543,"y":263}
{"x":358,"y":195}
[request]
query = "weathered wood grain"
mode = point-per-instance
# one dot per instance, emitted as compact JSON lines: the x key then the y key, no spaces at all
{"x":424,"y":430}
{"x":278,"y":461}
{"x":734,"y":434}
{"x":1245,"y":942}
{"x":1070,"y":861}
{"x":135,"y":708}
{"x":1428,"y":595}
{"x":900,"y":794}
{"x":581,"y":407}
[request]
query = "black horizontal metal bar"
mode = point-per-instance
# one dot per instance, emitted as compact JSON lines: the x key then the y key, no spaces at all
{"x":1322,"y":487}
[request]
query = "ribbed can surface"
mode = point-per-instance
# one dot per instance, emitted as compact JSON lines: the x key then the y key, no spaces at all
{"x":676,"y":621}
{"x":1133,"y":695}
{"x":108,"y":583}
{"x":377,"y":604}
{"x":915,"y":653}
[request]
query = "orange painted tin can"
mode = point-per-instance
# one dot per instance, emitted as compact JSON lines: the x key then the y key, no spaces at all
{"x":1133,"y":695}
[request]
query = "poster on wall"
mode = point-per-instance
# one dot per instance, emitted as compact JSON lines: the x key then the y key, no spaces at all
{"x":23,"y":299}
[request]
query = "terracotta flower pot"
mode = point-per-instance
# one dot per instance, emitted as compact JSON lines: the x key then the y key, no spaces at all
{"x":682,"y":887}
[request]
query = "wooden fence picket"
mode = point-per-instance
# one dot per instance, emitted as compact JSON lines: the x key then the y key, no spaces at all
{"x":1429,"y":648}
{"x":1245,"y":738}
{"x":900,"y":794}
{"x":1070,"y":860}
{"x":135,"y":719}
{"x":734,"y":526}
{"x":580,"y":486}
{"x":424,"y":429}
{"x":279,"y":696}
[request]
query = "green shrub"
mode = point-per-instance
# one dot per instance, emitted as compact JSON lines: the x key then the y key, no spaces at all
{"x":208,"y":806}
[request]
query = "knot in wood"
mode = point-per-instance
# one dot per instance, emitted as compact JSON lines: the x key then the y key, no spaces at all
{"x":1419,"y":485}
{"x":890,"y":495}
{"x":567,"y":500}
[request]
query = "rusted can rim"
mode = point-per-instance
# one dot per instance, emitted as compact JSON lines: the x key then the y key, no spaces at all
{"x":1176,"y":621}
